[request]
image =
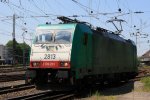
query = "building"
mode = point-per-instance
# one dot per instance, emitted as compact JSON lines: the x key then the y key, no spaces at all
{"x":145,"y":58}
{"x":4,"y":56}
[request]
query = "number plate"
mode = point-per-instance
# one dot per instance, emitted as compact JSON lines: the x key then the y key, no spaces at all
{"x":50,"y":56}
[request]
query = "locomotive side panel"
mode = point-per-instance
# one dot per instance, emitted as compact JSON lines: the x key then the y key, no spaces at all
{"x":112,"y":56}
{"x":132,"y":57}
{"x":100,"y":46}
{"x":81,"y":54}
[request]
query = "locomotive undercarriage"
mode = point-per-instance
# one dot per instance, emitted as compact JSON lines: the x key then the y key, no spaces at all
{"x":55,"y":77}
{"x":48,"y":76}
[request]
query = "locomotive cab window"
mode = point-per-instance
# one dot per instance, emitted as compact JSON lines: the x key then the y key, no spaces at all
{"x":85,"y":39}
{"x":44,"y":38}
{"x":62,"y":37}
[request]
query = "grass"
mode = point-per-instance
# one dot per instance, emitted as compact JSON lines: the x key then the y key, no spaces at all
{"x":146,"y":67}
{"x":146,"y":81}
{"x":99,"y":96}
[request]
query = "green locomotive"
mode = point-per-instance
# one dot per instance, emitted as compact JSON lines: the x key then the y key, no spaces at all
{"x":83,"y":54}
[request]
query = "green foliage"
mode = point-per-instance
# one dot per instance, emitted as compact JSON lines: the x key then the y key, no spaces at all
{"x":18,"y":45}
{"x":97,"y":95}
{"x":24,"y":45}
{"x":146,"y":81}
{"x":146,"y":67}
{"x":18,"y":51}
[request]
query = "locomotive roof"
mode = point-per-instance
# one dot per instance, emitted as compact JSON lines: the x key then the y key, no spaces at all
{"x":114,"y":36}
{"x":118,"y":38}
{"x":57,"y":26}
{"x":103,"y":32}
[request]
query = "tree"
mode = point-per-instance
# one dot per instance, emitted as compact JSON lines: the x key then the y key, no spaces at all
{"x":20,"y":47}
{"x":26,"y":50}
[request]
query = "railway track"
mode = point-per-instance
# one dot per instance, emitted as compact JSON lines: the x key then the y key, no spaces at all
{"x":59,"y":95}
{"x":6,"y":78}
{"x":142,"y":73}
{"x":11,"y":69}
{"x":138,"y":78}
{"x":8,"y":89}
{"x":48,"y":95}
{"x":12,"y":73}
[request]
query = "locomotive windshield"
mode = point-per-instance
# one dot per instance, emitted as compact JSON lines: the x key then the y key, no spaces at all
{"x":62,"y":37}
{"x":44,"y":38}
{"x":53,"y":36}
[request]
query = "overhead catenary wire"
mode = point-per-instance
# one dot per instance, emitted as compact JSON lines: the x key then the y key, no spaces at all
{"x":6,"y":34}
{"x":33,"y":14}
{"x":22,"y":8}
{"x":85,"y":7}
{"x":118,"y":3}
{"x":64,"y":7}
{"x":34,"y":4}
{"x":98,"y":7}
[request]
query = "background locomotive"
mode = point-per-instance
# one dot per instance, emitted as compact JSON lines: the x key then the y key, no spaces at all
{"x":74,"y":52}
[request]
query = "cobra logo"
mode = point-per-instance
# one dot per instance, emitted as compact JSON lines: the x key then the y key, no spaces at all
{"x":46,"y":47}
{"x":53,"y":48}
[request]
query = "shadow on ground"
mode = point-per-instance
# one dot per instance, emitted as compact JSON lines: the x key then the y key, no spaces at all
{"x":90,"y":90}
{"x":106,"y":90}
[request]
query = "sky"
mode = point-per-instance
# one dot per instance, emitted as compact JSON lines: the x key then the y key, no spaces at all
{"x":135,"y":15}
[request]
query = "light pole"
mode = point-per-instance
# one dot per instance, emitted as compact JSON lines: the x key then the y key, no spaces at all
{"x":14,"y":41}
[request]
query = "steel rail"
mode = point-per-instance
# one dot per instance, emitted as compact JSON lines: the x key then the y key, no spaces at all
{"x":60,"y":97}
{"x":4,"y":90}
{"x":47,"y":95}
{"x":11,"y":70}
{"x":5,"y":78}
{"x":31,"y":97}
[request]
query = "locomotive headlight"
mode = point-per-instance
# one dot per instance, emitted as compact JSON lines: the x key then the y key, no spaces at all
{"x":64,"y":64}
{"x":35,"y":64}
